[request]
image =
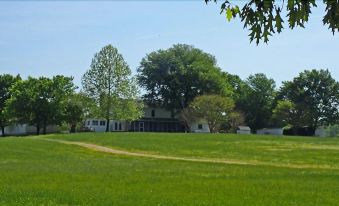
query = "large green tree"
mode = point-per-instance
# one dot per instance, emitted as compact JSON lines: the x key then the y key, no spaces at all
{"x":74,"y":111}
{"x":315,"y":95}
{"x":256,"y":100}
{"x":214,"y":109}
{"x":6,"y":82}
{"x":40,"y":101}
{"x":265,"y":17}
{"x":175,"y":76}
{"x":110,"y":83}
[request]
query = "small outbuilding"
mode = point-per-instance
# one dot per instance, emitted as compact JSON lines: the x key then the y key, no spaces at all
{"x":243,"y":130}
{"x":199,"y":127}
{"x":271,"y":131}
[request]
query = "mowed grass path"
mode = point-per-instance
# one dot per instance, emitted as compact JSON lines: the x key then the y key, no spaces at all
{"x":274,"y":150}
{"x":37,"y":172}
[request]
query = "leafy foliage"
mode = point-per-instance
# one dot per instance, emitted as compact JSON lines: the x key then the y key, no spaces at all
{"x":187,"y":118}
{"x":256,"y":100}
{"x":40,"y":101}
{"x":264,"y":17}
{"x":215,"y":109}
{"x":284,"y":114}
{"x":109,"y":82}
{"x":174,"y":77}
{"x":6,"y":82}
{"x":73,"y":111}
{"x":315,"y":95}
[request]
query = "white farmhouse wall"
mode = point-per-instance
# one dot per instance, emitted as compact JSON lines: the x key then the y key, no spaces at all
{"x":114,"y":125}
{"x":16,"y":129}
{"x":22,"y":129}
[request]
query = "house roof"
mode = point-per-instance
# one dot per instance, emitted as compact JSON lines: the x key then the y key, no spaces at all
{"x":245,"y":128}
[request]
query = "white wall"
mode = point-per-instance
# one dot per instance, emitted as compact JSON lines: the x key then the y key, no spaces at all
{"x":195,"y":127}
{"x":16,"y":129}
{"x":243,"y":132}
{"x":102,"y":128}
{"x":22,"y":129}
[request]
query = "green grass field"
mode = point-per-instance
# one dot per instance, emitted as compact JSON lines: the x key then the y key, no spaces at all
{"x":283,"y":171}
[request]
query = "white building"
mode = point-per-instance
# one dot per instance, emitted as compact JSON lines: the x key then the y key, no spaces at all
{"x":200,"y":127}
{"x":155,"y":119}
{"x":99,"y":125}
{"x":243,"y":130}
{"x":24,"y":129}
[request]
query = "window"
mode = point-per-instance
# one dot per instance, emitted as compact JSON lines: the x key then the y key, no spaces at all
{"x":88,"y":122}
{"x":153,"y":113}
{"x":199,"y":126}
{"x":119,"y":126}
{"x":94,"y":122}
{"x":116,"y":126}
{"x":102,"y":123}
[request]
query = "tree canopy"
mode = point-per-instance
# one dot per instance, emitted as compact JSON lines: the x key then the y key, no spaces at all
{"x":110,"y":83}
{"x":284,"y":114}
{"x":214,"y":109}
{"x":256,"y":100}
{"x":6,"y":83}
{"x":266,"y":17}
{"x":315,"y":95}
{"x":40,"y":101}
{"x":175,"y":76}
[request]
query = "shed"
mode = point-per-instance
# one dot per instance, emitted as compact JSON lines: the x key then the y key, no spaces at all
{"x":243,"y":130}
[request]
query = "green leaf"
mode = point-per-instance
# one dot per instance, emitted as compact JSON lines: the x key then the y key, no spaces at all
{"x":229,"y":14}
{"x":290,"y":4}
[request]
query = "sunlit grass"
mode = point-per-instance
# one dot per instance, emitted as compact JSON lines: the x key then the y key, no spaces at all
{"x":37,"y":172}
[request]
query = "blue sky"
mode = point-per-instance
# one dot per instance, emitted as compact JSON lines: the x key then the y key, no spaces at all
{"x":40,"y":38}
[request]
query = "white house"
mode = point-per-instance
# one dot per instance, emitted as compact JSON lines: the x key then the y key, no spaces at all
{"x":155,"y":119}
{"x":99,"y":125}
{"x":243,"y":130}
{"x":271,"y":131}
{"x":23,"y":129}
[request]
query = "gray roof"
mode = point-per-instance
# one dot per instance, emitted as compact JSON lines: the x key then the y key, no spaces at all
{"x":244,"y":128}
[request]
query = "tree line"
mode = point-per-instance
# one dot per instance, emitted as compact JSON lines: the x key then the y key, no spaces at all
{"x":187,"y":79}
{"x":182,"y":79}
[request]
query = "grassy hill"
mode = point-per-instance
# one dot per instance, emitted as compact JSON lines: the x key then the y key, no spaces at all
{"x":281,"y":170}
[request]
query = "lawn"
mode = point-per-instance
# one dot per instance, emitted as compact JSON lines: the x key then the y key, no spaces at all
{"x":38,"y":172}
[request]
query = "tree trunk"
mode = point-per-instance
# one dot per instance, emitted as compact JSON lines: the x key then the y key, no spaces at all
{"x":73,"y":128}
{"x":187,"y":127}
{"x":37,"y":129}
{"x":107,"y":125}
{"x":127,"y":123}
{"x":3,"y":131}
{"x":45,"y":127}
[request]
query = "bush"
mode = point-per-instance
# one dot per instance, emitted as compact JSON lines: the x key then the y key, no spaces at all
{"x":332,"y":131}
{"x":299,"y":131}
